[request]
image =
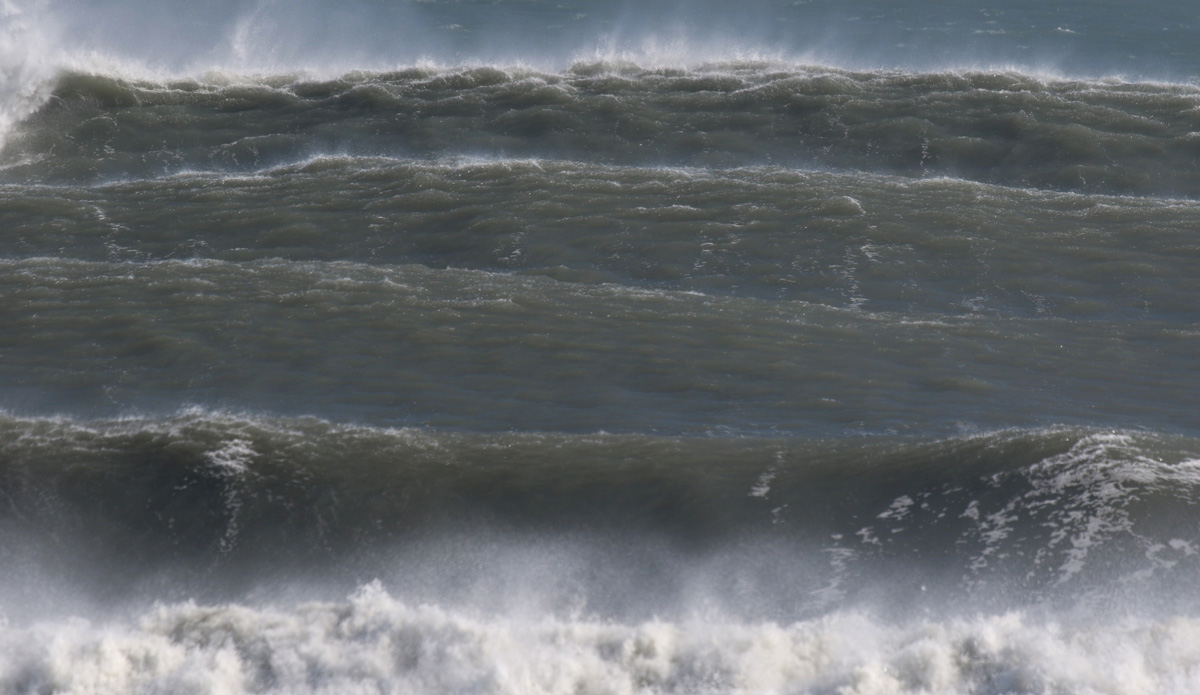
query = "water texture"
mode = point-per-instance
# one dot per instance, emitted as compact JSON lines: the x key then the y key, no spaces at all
{"x":518,"y":347}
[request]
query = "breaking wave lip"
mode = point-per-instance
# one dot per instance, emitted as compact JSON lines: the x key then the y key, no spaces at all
{"x":631,"y":66}
{"x":32,"y":74}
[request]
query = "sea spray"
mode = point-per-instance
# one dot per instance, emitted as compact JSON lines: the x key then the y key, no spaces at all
{"x":27,"y":63}
{"x":372,"y":641}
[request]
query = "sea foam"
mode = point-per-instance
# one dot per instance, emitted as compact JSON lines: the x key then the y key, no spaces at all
{"x":373,"y":642}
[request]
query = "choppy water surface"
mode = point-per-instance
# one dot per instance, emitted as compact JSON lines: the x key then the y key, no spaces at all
{"x":517,"y":348}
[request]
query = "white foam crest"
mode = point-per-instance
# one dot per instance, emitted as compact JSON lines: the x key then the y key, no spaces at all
{"x":373,"y":642}
{"x":26,"y":65}
{"x":1084,"y":496}
{"x":234,"y":455}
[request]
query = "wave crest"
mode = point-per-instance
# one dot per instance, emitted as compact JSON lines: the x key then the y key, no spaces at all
{"x":1004,"y":128}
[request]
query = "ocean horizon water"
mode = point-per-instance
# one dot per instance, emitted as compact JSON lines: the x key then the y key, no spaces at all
{"x":592,"y":346}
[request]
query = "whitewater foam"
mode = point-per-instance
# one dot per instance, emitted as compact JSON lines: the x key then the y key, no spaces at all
{"x":373,"y":642}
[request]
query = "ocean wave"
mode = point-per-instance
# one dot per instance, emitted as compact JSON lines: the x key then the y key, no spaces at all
{"x":717,"y":232}
{"x":464,"y":348}
{"x":568,"y":346}
{"x":1004,"y":128}
{"x":1021,"y":514}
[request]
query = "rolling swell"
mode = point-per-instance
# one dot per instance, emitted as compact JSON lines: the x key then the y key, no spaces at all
{"x":1049,"y":513}
{"x":479,"y":350}
{"x":766,"y":232}
{"x":1002,"y":128}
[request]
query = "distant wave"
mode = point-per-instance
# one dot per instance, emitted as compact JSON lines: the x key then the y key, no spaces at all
{"x":1004,"y":128}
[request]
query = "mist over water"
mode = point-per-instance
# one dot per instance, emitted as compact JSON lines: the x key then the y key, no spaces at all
{"x":605,"y":347}
{"x":1071,"y":38}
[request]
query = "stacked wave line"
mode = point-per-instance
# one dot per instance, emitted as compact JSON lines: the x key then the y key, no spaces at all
{"x":448,"y":347}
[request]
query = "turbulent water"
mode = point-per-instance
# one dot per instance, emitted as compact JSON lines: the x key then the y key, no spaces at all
{"x":523,"y":347}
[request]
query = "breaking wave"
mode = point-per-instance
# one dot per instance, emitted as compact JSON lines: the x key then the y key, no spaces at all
{"x":1039,"y":515}
{"x":373,"y":642}
{"x":997,"y":127}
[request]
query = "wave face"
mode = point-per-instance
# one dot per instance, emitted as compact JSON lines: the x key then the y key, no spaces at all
{"x":530,"y":562}
{"x":1035,"y":512}
{"x":999,"y":128}
{"x":591,"y":347}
